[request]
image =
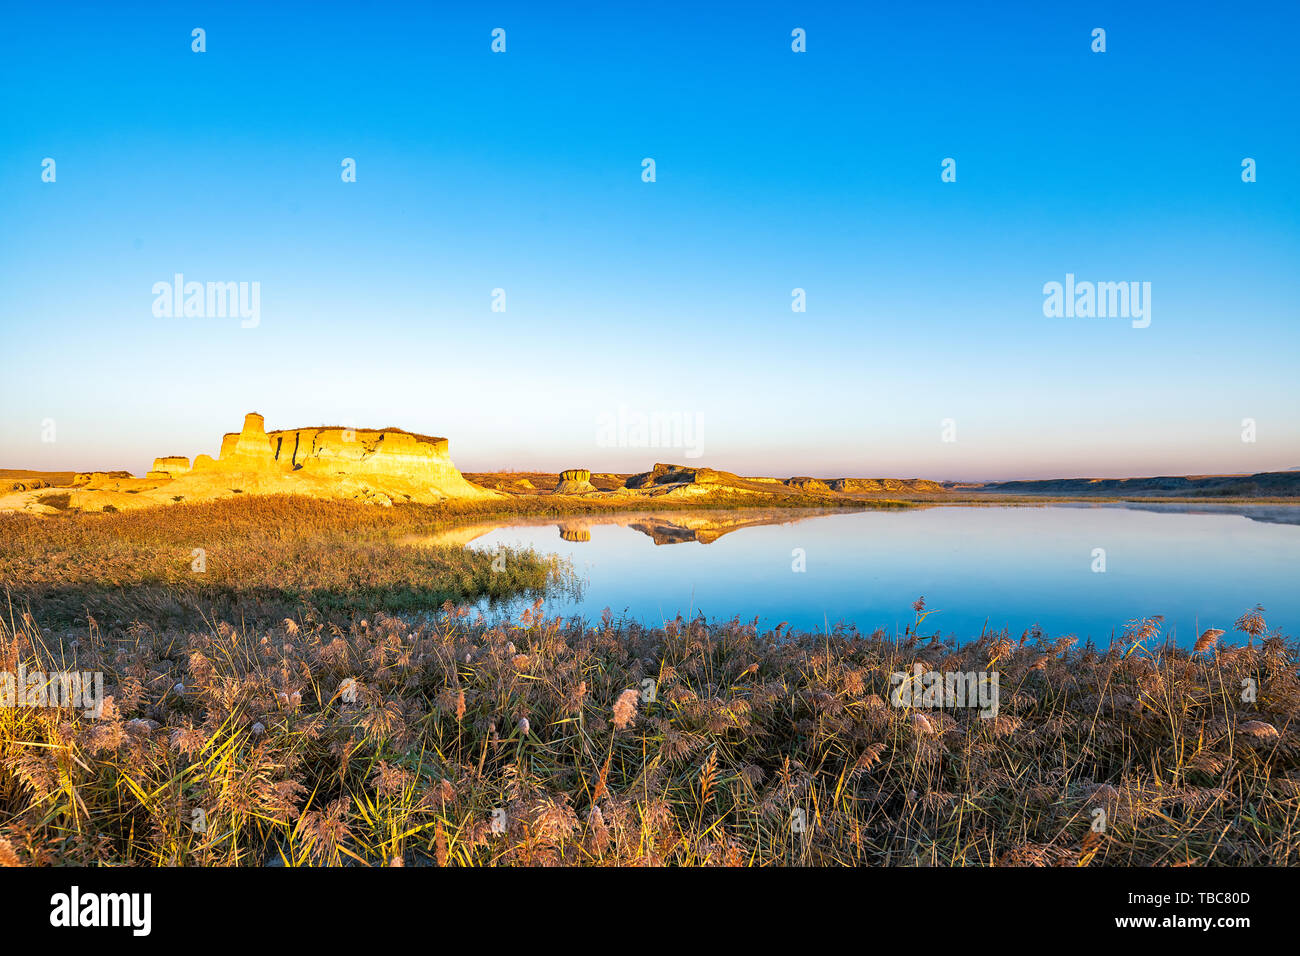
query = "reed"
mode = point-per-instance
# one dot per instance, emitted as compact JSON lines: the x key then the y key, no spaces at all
{"x":396,"y":739}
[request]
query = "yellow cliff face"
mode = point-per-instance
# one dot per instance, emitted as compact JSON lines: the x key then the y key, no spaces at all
{"x":381,"y":467}
{"x":169,"y":466}
{"x":397,"y":463}
{"x":248,"y":450}
{"x":344,"y":450}
{"x":382,"y":454}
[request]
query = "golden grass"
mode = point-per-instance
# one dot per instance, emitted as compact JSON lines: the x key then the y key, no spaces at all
{"x":386,"y":740}
{"x":261,"y":558}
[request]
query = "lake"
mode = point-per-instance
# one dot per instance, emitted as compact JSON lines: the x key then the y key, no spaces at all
{"x":1002,"y":566}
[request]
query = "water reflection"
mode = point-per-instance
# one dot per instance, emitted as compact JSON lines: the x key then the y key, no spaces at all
{"x":1199,"y":565}
{"x":673,"y":527}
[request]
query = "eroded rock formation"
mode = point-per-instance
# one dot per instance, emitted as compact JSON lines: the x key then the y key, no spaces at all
{"x":876,"y":485}
{"x":377,"y":466}
{"x":663,"y":474}
{"x":808,"y":484}
{"x":91,"y":477}
{"x":384,"y":455}
{"x":170,"y":466}
{"x":575,"y":481}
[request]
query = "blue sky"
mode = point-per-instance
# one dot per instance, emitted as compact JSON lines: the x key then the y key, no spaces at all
{"x":775,"y":170}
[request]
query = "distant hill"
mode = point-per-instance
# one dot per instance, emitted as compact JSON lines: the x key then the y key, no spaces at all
{"x":1268,"y":484}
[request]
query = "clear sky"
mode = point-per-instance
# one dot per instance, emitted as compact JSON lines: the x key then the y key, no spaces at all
{"x":775,"y":170}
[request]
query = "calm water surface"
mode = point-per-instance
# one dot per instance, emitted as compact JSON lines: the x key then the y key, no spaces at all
{"x":1012,"y":567}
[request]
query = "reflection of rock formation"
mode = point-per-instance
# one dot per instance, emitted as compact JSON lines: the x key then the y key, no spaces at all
{"x":676,"y":528}
{"x":667,"y":532}
{"x":662,"y":528}
{"x":575,"y":481}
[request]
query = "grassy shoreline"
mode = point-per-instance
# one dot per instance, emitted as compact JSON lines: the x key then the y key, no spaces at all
{"x":264,"y":558}
{"x":257,"y":559}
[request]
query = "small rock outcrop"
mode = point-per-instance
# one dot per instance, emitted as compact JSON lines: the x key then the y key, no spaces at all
{"x":808,"y":484}
{"x":855,"y":485}
{"x":83,"y":478}
{"x":170,"y":466}
{"x":663,"y":474}
{"x":860,"y":486}
{"x":574,"y":481}
{"x":29,"y":484}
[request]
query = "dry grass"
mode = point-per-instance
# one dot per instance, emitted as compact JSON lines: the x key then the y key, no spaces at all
{"x":545,"y":722}
{"x":263,"y":558}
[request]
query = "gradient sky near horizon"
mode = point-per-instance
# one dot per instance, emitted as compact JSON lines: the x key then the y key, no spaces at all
{"x":775,"y":170}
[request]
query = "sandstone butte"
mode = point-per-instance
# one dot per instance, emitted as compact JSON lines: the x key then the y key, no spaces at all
{"x":380,"y":466}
